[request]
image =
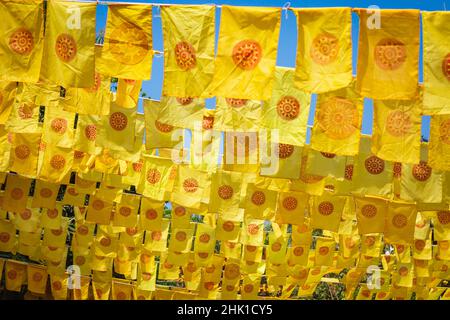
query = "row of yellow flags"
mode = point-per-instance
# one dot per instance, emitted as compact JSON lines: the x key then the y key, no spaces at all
{"x":244,"y":67}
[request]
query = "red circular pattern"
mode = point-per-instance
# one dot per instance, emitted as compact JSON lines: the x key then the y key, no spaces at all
{"x":65,"y":47}
{"x":290,"y":203}
{"x":225,"y":192}
{"x":25,"y":111}
{"x":398,"y":123}
{"x":324,"y":49}
{"x":390,"y":54}
{"x":208,"y":122}
{"x":253,"y":228}
{"x":236,"y":103}
{"x":369,"y":211}
{"x":185,"y":55}
{"x":153,"y":176}
{"x":228,"y":226}
{"x":326,"y":208}
{"x":204,"y":238}
{"x":22,"y":152}
{"x":180,"y":236}
{"x":26,"y":215}
{"x":21,"y":41}
{"x":125,"y":211}
{"x":52,"y":213}
{"x":83,"y":230}
{"x":285,"y":150}
{"x":151,"y":214}
{"x":4,"y":237}
{"x":298,"y":251}
{"x":348,"y":172}
{"x":443,"y":217}
{"x":98,"y":204}
{"x":59,"y":125}
{"x":288,"y":108}
{"x":162,"y":127}
{"x":185,"y":101}
{"x":57,"y":162}
{"x":118,"y":121}
{"x":328,"y":155}
{"x":446,"y":66}
{"x":180,"y":211}
{"x":190,"y":185}
{"x":421,"y":171}
{"x":374,"y":165}
{"x":399,"y":221}
{"x":397,"y":168}
{"x":17,"y":193}
{"x":90,"y":132}
{"x":247,"y":54}
{"x":258,"y":198}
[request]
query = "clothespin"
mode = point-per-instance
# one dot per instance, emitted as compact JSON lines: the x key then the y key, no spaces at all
{"x":285,"y":8}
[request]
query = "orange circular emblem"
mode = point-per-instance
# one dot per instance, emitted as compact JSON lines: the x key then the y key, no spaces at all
{"x":248,"y":288}
{"x":180,"y":211}
{"x":65,"y":47}
{"x":96,"y":85}
{"x":90,"y":132}
{"x":276,"y":247}
{"x":78,"y":154}
{"x":253,"y":228}
{"x":12,"y":274}
{"x":389,"y":54}
{"x":25,"y":111}
{"x":328,"y":155}
{"x":258,"y":198}
{"x":398,"y":123}
{"x":374,"y":165}
{"x":369,"y":211}
{"x":403,"y":271}
{"x":228,"y":226}
{"x":180,"y":236}
{"x":153,"y":176}
{"x":83,"y":230}
{"x":285,"y":150}
{"x":419,"y":244}
{"x":369,"y":241}
{"x":129,"y":44}
{"x":190,"y":185}
{"x":185,"y":55}
{"x":236,"y":103}
{"x":52,"y":213}
{"x":21,"y":41}
{"x":106,"y":242}
{"x":125,"y":211}
{"x":288,"y":108}
{"x":57,"y":162}
{"x":57,"y":285}
{"x":326,"y":208}
{"x":4,"y":237}
{"x":250,"y":248}
{"x":207,"y":122}
{"x":137,"y":166}
{"x":162,"y":127}
{"x":399,"y":221}
{"x":446,"y":68}
{"x":26,"y":215}
{"x":397,"y":169}
{"x":118,"y":121}
{"x":444,"y":131}
{"x":22,"y":152}
{"x":324,"y":251}
{"x":298,"y":251}
{"x":17,"y":193}
{"x":232,"y":271}
{"x":290,"y":203}
{"x":131,"y":231}
{"x":443,"y":217}
{"x":247,"y":54}
{"x":338,"y":118}
{"x":156,"y":235}
{"x":72,"y":191}
{"x":204,"y":238}
{"x":59,"y":125}
{"x":348,"y":172}
{"x":225,"y":192}
{"x":421,"y":171}
{"x":151,"y":214}
{"x":209,"y":286}
{"x":324,"y":49}
{"x":98,"y":204}
{"x":203,"y":255}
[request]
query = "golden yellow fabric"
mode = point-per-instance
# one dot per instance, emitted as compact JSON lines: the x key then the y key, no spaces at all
{"x":24,"y":155}
{"x":16,"y":193}
{"x":284,"y":161}
{"x":259,"y":203}
{"x":436,"y":62}
{"x":396,"y":130}
{"x":69,"y":46}
{"x":439,"y":146}
{"x":127,"y":50}
{"x":155,"y":178}
{"x":400,"y":222}
{"x":58,"y":127}
{"x":326,"y":212}
{"x":247,"y":52}
{"x":337,"y":122}
{"x":15,"y":275}
{"x":291,"y":207}
{"x":324,"y":252}
{"x":88,"y":127}
{"x":182,"y":112}
{"x":323,"y":163}
{"x":237,"y":114}
{"x":287,"y":110}
{"x":324,"y":49}
{"x":127,"y":95}
{"x":8,"y":230}
{"x":24,"y":117}
{"x":388,"y":57}
{"x":310,"y":183}
{"x":371,"y":215}
{"x":21,"y":43}
{"x":188,"y":33}
{"x":225,"y":191}
{"x":127,"y":211}
{"x":57,"y":163}
{"x":7,"y":94}
{"x":190,"y":187}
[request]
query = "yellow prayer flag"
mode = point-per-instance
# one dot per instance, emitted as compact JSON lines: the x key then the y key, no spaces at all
{"x":400,"y":222}
{"x":225,"y":191}
{"x":21,"y":43}
{"x":436,"y":62}
{"x":247,"y":52}
{"x":188,"y":33}
{"x":7,"y":236}
{"x":16,"y":193}
{"x":182,"y":112}
{"x":7,"y":95}
{"x":25,"y":152}
{"x":291,"y":207}
{"x":58,"y":127}
{"x":439,"y":146}
{"x":45,"y":194}
{"x":37,"y":278}
{"x":191,"y":186}
{"x":324,"y":54}
{"x":15,"y":275}
{"x":155,"y":177}
{"x":57,"y":164}
{"x":388,"y":57}
{"x":127,"y":95}
{"x":127,"y":49}
{"x":69,"y":46}
{"x":326,"y":212}
{"x":237,"y":114}
{"x":370,"y":214}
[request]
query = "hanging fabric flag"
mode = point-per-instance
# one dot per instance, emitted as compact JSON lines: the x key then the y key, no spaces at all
{"x":324,"y":54}
{"x":291,"y":208}
{"x":8,"y":238}
{"x":86,"y":134}
{"x":37,"y":278}
{"x":225,"y":191}
{"x":7,"y":95}
{"x":284,"y":161}
{"x":15,"y":275}
{"x":57,"y":164}
{"x":337,"y":122}
{"x":370,"y":214}
{"x":327,"y":211}
{"x":127,"y":95}
{"x":237,"y":114}
{"x":69,"y":46}
{"x":155,"y":178}
{"x":328,"y":164}
{"x":287,"y":110}
{"x":190,"y":187}
{"x":396,"y":130}
{"x":388,"y":57}
{"x":182,"y":112}
{"x":439,"y":146}
{"x":24,"y":117}
{"x":247,"y":52}
{"x":58,"y":127}
{"x":21,"y":44}
{"x":400,"y":222}
{"x":127,"y":50}
{"x":16,"y":193}
{"x":25,"y":153}
{"x":188,"y":33}
{"x":436,"y":62}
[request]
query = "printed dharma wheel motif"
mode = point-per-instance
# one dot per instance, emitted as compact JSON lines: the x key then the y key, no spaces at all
{"x":16,"y":193}
{"x":153,"y":176}
{"x":207,"y":122}
{"x":190,"y":185}
{"x":369,"y":211}
{"x":57,"y":162}
{"x":65,"y":47}
{"x":185,"y":101}
{"x":59,"y":125}
{"x":128,"y":44}
{"x":21,"y":41}
{"x":328,"y":155}
{"x":236,"y":103}
{"x":125,"y":211}
{"x":374,"y":165}
{"x":137,"y":166}
{"x":247,"y":54}
{"x":399,"y":221}
{"x":83,"y":230}
{"x":228,"y":226}
{"x":390,"y":54}
{"x":225,"y":192}
{"x":185,"y":55}
{"x":348,"y":172}
{"x":288,"y":108}
{"x":26,"y":215}
{"x":324,"y":49}
{"x":419,"y":244}
{"x":421,"y":171}
{"x":163,"y":127}
{"x":298,"y":251}
{"x":258,"y":198}
{"x":326,"y":208}
{"x":45,"y":193}
{"x":25,"y":111}
{"x":338,"y":118}
{"x":444,"y":131}
{"x":232,"y":271}
{"x":324,"y":251}
{"x":22,"y":152}
{"x":4,"y":237}
{"x":52,"y":213}
{"x":180,"y":211}
{"x":444,"y":217}
{"x":276,"y":247}
{"x":78,"y":154}
{"x":97,"y":83}
{"x":204,"y":238}
{"x":151,"y":214}
{"x":98,"y":204}
{"x":118,"y":121}
{"x":290,"y":203}
{"x":397,"y":168}
{"x":285,"y":150}
{"x":398,"y":123}
{"x":446,"y":66}
{"x":253,"y":228}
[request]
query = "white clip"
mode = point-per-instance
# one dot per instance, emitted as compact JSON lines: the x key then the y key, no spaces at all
{"x":286,"y":7}
{"x":158,"y":12}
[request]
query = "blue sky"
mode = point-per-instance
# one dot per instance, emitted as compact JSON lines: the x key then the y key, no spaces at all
{"x":287,"y":42}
